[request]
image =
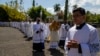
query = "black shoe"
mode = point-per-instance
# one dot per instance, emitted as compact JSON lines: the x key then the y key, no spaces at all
{"x":25,"y":36}
{"x":28,"y":39}
{"x":40,"y":51}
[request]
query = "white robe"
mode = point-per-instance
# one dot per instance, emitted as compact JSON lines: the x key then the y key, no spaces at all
{"x":64,"y":31}
{"x":87,"y":37}
{"x":54,"y":39}
{"x":38,"y":37}
{"x":26,"y":28}
{"x":22,"y":27}
{"x":30,"y":30}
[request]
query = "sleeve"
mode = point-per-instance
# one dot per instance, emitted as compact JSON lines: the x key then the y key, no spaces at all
{"x":85,"y":50}
{"x":66,"y":41}
{"x":68,"y":26}
{"x":47,"y":30}
{"x":60,"y":31}
{"x":94,"y":44}
{"x":44,"y":28}
{"x":34,"y":28}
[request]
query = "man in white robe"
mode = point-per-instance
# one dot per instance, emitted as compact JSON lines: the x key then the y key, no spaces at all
{"x":30,"y":31}
{"x":26,"y":25}
{"x":38,"y":35}
{"x":82,"y":39}
{"x":63,"y":31}
{"x":22,"y":27}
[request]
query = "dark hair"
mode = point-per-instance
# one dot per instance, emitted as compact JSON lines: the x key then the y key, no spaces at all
{"x":81,"y":10}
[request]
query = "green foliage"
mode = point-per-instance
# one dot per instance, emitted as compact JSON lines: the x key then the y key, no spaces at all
{"x":38,"y":12}
{"x":3,"y":14}
{"x":13,"y":14}
{"x":94,"y":18}
{"x":57,"y":7}
{"x":75,"y":6}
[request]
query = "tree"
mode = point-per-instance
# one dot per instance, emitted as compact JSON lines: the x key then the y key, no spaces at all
{"x":33,"y":4}
{"x":60,"y":15}
{"x":66,"y":10}
{"x":92,"y":18}
{"x":75,"y":6}
{"x":36,"y":12}
{"x":57,"y":7}
{"x":98,"y":18}
{"x":88,"y":16}
{"x":3,"y":15}
{"x":21,"y":1}
{"x":58,"y":11}
{"x":16,"y":4}
{"x":20,"y":6}
{"x":12,"y":14}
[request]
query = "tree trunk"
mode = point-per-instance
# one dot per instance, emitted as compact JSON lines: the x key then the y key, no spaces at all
{"x":66,"y":10}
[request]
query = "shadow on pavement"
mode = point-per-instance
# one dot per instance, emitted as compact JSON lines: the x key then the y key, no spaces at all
{"x":38,"y":53}
{"x":55,"y":52}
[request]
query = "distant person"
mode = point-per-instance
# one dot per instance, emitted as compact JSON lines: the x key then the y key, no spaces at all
{"x":63,"y":30}
{"x":54,"y":34}
{"x":29,"y":31}
{"x":82,"y":39}
{"x":26,"y":26}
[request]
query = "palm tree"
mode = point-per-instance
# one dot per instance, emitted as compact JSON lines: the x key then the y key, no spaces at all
{"x":75,"y":6}
{"x":57,"y":10}
{"x":21,"y":1}
{"x":16,"y":4}
{"x":21,"y":8}
{"x":57,"y":7}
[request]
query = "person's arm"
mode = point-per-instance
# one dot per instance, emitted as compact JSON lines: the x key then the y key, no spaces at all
{"x":68,"y":26}
{"x":92,"y":47}
{"x":94,"y":44}
{"x":35,"y":30}
{"x":43,"y":27}
{"x":66,"y":42}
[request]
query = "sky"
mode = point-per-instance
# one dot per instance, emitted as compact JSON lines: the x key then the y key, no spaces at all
{"x":90,"y":5}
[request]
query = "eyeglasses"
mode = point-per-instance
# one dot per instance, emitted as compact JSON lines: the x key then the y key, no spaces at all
{"x":77,"y":15}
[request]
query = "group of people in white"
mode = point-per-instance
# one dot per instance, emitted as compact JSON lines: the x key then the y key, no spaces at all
{"x":39,"y":31}
{"x":79,"y":40}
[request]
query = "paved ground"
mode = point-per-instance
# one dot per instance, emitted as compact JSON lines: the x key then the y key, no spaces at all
{"x":12,"y":43}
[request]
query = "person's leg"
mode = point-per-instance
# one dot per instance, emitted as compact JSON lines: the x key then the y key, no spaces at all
{"x":54,"y":45}
{"x":29,"y":38}
{"x":61,"y":44}
{"x":35,"y":46}
{"x":41,"y":47}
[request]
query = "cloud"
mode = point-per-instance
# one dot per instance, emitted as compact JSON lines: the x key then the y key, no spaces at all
{"x":62,"y":8}
{"x":90,"y":5}
{"x":82,"y":2}
{"x":98,"y":2}
{"x":94,"y":2}
{"x":97,"y":11}
{"x":51,"y":10}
